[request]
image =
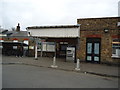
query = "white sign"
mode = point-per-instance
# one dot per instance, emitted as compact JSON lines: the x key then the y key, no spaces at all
{"x":44,"y":47}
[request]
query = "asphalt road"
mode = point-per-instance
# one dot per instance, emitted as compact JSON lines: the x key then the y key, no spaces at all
{"x":25,"y":76}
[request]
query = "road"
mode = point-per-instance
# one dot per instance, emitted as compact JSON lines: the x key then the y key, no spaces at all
{"x":26,"y":76}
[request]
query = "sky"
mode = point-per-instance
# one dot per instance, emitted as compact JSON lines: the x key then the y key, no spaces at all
{"x":53,"y":12}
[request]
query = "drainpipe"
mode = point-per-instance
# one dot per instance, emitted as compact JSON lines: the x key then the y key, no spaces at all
{"x":78,"y":39}
{"x":78,"y":43}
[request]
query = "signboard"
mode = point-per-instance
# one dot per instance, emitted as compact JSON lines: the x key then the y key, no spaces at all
{"x":31,"y":47}
{"x":48,"y":46}
{"x":44,"y":46}
{"x":51,"y":48}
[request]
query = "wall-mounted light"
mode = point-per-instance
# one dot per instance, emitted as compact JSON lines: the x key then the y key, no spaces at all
{"x":106,"y":30}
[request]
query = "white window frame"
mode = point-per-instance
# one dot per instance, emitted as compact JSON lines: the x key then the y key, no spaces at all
{"x":117,"y":49}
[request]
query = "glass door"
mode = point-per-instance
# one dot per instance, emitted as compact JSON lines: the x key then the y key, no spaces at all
{"x":89,"y":51}
{"x":96,"y":52}
{"x":93,"y":50}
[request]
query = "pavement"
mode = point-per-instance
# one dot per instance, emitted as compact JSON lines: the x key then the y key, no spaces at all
{"x":87,"y":68}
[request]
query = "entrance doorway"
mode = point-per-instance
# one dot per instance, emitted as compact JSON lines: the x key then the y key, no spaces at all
{"x":93,"y":50}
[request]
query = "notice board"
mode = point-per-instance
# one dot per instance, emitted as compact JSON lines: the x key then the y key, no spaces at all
{"x":48,"y":46}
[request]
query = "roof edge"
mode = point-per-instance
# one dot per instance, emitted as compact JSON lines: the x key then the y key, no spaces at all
{"x":57,"y":26}
{"x":98,"y":18}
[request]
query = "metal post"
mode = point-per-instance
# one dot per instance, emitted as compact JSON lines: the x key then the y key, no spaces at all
{"x":36,"y":50}
{"x":55,"y":50}
{"x":41,"y":49}
{"x":77,"y":65}
{"x":54,"y":63}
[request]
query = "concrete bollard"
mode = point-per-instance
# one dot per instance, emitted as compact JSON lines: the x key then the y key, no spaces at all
{"x":77,"y":65}
{"x":54,"y":63}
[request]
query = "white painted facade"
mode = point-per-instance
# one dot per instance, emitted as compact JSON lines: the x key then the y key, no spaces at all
{"x":72,"y":32}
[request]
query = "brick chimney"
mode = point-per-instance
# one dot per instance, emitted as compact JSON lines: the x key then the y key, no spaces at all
{"x":18,"y":27}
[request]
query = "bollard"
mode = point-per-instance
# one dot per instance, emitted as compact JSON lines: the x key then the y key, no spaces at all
{"x":77,"y":65}
{"x":54,"y":63}
{"x":36,"y":52}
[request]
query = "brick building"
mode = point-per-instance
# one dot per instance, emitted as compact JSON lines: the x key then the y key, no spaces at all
{"x":99,"y":40}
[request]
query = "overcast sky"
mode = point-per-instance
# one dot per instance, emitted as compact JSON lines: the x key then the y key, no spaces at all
{"x":53,"y":12}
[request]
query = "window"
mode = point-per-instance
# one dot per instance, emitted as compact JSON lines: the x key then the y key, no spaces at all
{"x":26,"y":42}
{"x":15,"y":47}
{"x":116,"y":48}
{"x":118,"y":24}
{"x":89,"y":48}
{"x":1,"y":46}
{"x":1,"y":40}
{"x":15,"y":40}
{"x":39,"y":47}
{"x":63,"y":47}
{"x":96,"y":48}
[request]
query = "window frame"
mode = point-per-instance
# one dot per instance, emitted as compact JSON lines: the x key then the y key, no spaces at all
{"x":116,"y":48}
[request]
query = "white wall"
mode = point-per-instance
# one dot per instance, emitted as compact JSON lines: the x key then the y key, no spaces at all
{"x":55,"y":32}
